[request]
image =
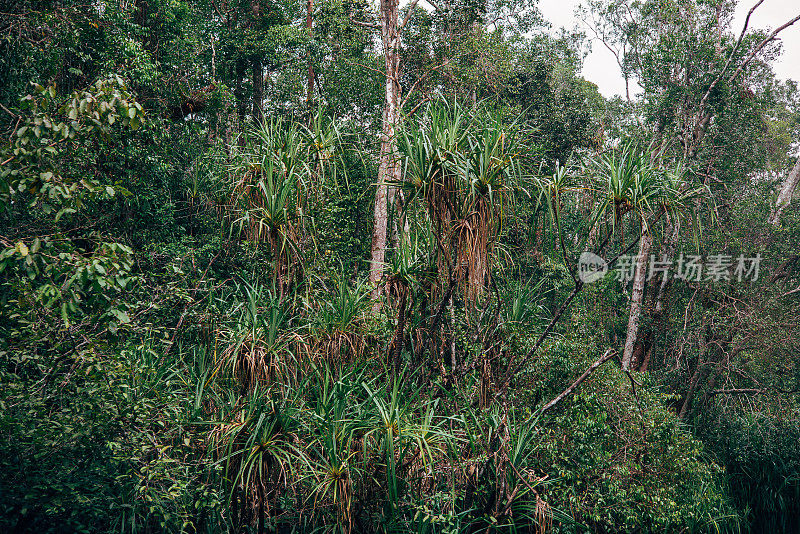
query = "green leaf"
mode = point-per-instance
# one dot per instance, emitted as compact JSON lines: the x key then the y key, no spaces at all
{"x":121,"y":315}
{"x":64,"y":314}
{"x":62,"y":212}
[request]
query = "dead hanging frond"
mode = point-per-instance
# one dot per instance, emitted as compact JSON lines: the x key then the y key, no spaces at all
{"x":338,"y":333}
{"x":339,"y":346}
{"x":250,"y":362}
{"x":463,"y":167}
{"x":475,"y":249}
{"x":261,"y":344}
{"x":258,"y":448}
{"x":270,"y":182}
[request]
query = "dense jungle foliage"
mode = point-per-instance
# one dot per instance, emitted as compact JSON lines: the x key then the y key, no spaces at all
{"x":274,"y":266}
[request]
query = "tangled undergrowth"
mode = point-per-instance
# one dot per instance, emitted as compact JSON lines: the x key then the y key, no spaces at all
{"x":260,"y":429}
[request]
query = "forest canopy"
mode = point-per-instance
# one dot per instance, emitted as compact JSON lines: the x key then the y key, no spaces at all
{"x":345,"y":266}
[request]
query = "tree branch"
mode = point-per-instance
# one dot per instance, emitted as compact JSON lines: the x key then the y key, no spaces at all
{"x":738,"y":391}
{"x":761,"y":45}
{"x":730,"y":56}
{"x":410,"y":11}
{"x":365,"y":24}
{"x":592,"y":368}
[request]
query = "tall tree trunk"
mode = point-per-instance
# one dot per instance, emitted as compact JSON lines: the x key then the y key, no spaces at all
{"x":241,"y":102}
{"x":310,"y":79}
{"x":258,"y":89}
{"x":388,"y":169}
{"x":659,"y":291}
{"x":785,"y":194}
{"x":673,"y":230}
{"x":697,"y":377}
{"x":637,"y":298}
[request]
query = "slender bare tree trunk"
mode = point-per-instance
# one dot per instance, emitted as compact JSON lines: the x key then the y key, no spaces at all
{"x":453,"y":360}
{"x":659,"y":288}
{"x":637,"y":298}
{"x":258,"y":89}
{"x":309,"y":26}
{"x":785,"y":194}
{"x":388,"y":169}
{"x":697,"y":377}
{"x":669,"y":253}
{"x":239,"y":92}
{"x":257,"y":66}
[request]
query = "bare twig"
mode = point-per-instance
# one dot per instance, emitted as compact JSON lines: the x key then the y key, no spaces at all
{"x":738,"y":391}
{"x":796,"y":290}
{"x":711,"y":87}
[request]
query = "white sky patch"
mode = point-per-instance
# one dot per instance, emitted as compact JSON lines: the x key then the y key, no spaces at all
{"x":600,"y":66}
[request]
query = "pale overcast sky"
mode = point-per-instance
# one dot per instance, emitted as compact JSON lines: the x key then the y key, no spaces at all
{"x":601,"y":68}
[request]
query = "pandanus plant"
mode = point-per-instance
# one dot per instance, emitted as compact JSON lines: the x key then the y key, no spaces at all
{"x":266,"y":195}
{"x":625,"y":182}
{"x":463,"y":166}
{"x":408,"y":271}
{"x":407,"y":442}
{"x":339,"y":419}
{"x":260,"y":339}
{"x":430,"y":149}
{"x":489,"y":169}
{"x":270,"y":181}
{"x":632,"y":185}
{"x":632,"y":180}
{"x":551,"y":191}
{"x":338,"y":329}
{"x":256,"y":446}
{"x":502,"y":485}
